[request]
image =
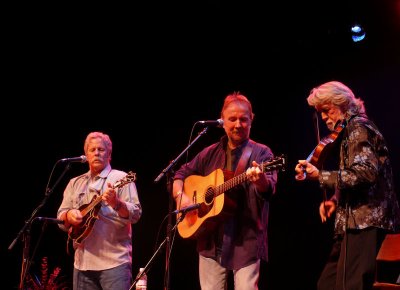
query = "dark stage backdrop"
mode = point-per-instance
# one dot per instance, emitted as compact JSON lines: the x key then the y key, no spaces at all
{"x":145,"y":75}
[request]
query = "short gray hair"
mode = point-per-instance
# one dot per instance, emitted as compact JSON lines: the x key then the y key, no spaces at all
{"x":104,"y":137}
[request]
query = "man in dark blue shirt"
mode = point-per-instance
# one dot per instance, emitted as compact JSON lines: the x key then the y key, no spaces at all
{"x":231,"y":224}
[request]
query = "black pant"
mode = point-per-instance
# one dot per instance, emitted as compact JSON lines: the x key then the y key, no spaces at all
{"x":351,"y":263}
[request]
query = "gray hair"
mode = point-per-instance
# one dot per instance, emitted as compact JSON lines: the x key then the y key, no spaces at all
{"x":104,"y":137}
{"x":337,"y":94}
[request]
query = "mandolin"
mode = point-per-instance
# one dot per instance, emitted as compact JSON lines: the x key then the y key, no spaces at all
{"x":90,"y":212}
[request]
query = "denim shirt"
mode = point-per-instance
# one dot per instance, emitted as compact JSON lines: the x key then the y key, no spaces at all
{"x":109,"y":244}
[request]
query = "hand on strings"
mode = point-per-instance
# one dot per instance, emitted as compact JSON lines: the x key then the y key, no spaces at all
{"x":181,"y":199}
{"x":326,"y":209}
{"x":305,"y":170}
{"x":256,"y":174}
{"x":73,"y":217}
{"x":110,"y":195}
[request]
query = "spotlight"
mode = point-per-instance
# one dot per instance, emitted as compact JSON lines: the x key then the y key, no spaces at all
{"x":357,"y":33}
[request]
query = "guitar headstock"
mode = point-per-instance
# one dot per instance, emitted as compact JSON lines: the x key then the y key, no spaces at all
{"x":278,"y":163}
{"x":130,"y":177}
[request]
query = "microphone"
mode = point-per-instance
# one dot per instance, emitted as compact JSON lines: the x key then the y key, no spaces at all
{"x":217,"y":123}
{"x":81,"y":159}
{"x":188,"y":208}
{"x":51,"y":220}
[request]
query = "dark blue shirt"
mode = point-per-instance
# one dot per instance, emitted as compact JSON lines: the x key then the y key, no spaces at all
{"x":239,"y":237}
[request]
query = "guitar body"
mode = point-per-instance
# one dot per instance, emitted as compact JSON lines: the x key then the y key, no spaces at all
{"x":210,"y":193}
{"x":80,"y":232}
{"x":214,"y":205}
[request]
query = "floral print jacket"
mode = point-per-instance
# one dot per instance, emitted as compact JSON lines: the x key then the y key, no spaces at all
{"x":364,"y":189}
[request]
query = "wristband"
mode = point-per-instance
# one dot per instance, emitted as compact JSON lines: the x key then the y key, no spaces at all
{"x":178,"y":194}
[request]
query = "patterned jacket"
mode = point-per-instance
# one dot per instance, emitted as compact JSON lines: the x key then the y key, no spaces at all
{"x":364,"y":188}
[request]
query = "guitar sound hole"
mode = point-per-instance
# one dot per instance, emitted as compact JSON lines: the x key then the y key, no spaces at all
{"x":209,"y":198}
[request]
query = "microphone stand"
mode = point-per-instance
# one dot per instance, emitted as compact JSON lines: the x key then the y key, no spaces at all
{"x":164,"y":242}
{"x":168,"y":171}
{"x":25,"y":233}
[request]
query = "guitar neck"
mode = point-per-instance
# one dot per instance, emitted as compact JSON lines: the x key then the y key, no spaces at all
{"x":266,"y":166}
{"x":91,"y":206}
{"x":98,"y":199}
{"x":230,"y":183}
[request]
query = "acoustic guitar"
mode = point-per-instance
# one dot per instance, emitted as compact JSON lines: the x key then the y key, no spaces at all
{"x":90,"y":212}
{"x":209,"y":192}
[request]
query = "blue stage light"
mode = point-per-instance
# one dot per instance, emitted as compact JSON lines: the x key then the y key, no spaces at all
{"x":357,"y":33}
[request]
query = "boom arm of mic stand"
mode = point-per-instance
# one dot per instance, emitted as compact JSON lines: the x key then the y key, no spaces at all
{"x":25,"y":232}
{"x":172,"y":163}
{"x":167,"y":171}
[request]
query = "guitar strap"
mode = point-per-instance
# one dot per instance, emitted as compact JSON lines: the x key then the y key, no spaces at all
{"x":242,"y":164}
